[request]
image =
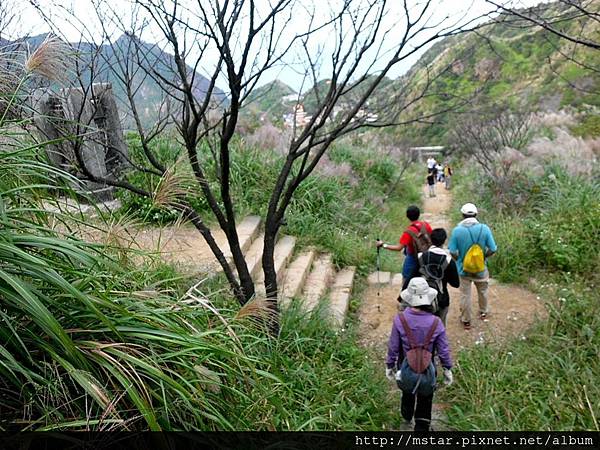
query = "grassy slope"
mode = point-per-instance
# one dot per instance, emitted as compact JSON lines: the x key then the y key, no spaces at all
{"x":268,"y":99}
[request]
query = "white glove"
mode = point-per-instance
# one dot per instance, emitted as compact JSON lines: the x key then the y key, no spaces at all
{"x":389,"y":374}
{"x":448,"y":378}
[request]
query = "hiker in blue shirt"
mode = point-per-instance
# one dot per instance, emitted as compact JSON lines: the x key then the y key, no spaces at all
{"x":468,"y":232}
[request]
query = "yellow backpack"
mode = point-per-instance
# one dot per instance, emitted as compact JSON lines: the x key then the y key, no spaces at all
{"x":474,"y":260}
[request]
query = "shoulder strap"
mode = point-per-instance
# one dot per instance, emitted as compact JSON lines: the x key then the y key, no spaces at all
{"x":470,"y":235}
{"x":473,"y":241}
{"x":434,"y":326}
{"x":414,"y":224}
{"x":408,"y":331}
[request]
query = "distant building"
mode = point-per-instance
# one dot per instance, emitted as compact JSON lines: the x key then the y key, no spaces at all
{"x":297,"y":117}
{"x":362,"y":115}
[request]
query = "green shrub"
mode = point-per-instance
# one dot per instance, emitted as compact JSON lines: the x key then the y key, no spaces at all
{"x":588,"y":127}
{"x":340,"y":213}
{"x":556,"y":233}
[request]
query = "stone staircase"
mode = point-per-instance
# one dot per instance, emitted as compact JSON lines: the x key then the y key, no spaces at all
{"x":307,"y":276}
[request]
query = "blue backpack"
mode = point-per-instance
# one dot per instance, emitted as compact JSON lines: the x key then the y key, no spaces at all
{"x":417,"y":373}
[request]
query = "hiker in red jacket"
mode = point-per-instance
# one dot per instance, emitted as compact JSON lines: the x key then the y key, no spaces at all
{"x":407,"y":240}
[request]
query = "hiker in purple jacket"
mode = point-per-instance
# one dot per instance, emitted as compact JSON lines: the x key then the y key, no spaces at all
{"x":420,"y":320}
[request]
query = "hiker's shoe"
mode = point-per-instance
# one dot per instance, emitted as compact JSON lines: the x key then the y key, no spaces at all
{"x":483,"y":317}
{"x":467,"y":325}
{"x":406,"y":425}
{"x":422,"y":424}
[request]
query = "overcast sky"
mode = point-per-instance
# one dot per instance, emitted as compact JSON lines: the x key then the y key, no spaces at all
{"x":291,"y":72}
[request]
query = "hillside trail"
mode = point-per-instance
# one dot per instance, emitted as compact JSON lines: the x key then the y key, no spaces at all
{"x":512,"y":308}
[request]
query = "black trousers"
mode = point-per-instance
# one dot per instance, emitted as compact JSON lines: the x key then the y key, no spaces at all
{"x":422,"y":413}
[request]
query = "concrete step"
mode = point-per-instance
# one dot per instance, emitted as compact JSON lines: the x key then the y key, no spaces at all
{"x":185,"y":246}
{"x":247,"y":231}
{"x":281,"y":256}
{"x":396,"y":279}
{"x":379,"y":278}
{"x":339,"y":296}
{"x":295,"y":276}
{"x":254,"y":256}
{"x":317,"y":281}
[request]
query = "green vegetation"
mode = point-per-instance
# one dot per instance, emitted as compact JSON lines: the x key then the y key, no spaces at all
{"x":589,"y":126}
{"x":547,"y":378}
{"x":355,"y":180}
{"x":92,"y":342}
{"x":508,"y":66}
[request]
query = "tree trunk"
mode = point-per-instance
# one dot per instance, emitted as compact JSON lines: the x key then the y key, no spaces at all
{"x":246,"y":283}
{"x":268,"y":265}
{"x":238,"y":291}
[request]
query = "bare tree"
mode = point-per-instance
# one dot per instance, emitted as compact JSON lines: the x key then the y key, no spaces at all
{"x":353,"y":44}
{"x":486,"y":134}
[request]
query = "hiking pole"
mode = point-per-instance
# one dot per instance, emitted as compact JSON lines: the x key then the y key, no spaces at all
{"x":378,"y":283}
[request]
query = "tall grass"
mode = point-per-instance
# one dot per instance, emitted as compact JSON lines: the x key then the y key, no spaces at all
{"x":81,"y":349}
{"x":545,"y":379}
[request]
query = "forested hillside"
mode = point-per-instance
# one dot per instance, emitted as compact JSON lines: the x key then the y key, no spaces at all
{"x":510,"y":63}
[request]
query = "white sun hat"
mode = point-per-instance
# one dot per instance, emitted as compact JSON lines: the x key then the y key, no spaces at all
{"x":469,"y":209}
{"x":418,"y":293}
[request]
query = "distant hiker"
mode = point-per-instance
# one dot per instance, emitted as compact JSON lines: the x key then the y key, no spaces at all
{"x":447,"y":175}
{"x":430,"y":164}
{"x":416,"y":238}
{"x":434,"y":169}
{"x":470,"y":244}
{"x":440,"y":172}
{"x":431,"y":183}
{"x":438,"y":268}
{"x":416,"y":335}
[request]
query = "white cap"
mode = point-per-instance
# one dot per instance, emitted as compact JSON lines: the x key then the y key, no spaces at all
{"x":469,"y":209}
{"x":418,"y":293}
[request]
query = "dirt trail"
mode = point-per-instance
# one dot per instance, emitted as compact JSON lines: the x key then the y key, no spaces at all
{"x":512,"y":309}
